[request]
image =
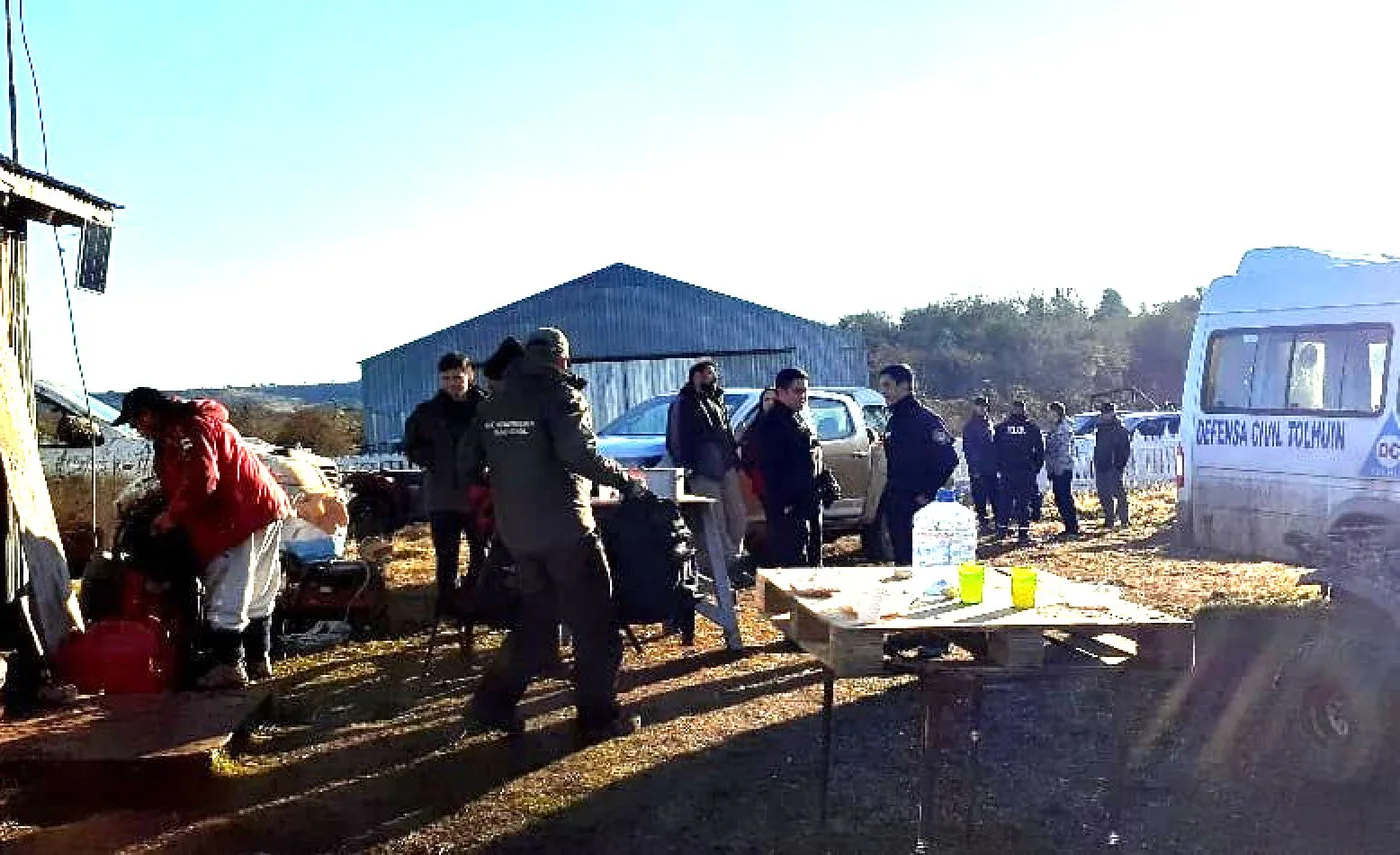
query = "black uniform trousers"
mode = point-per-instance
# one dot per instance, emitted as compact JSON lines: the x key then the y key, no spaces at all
{"x":985,"y":495}
{"x":898,"y":510}
{"x":790,"y":535}
{"x":1063,"y":485}
{"x":569,"y":583}
{"x":448,"y":528}
{"x":1018,"y":491}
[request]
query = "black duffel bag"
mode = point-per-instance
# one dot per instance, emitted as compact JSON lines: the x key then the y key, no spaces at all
{"x":652,"y":558}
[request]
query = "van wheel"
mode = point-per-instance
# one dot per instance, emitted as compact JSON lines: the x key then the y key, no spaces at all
{"x":875,"y":542}
{"x":1335,"y":699}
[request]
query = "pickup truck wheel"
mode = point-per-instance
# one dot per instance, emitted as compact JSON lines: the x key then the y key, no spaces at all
{"x":1336,"y":701}
{"x":875,"y":541}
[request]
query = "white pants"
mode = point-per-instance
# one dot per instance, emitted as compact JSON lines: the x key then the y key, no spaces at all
{"x":735,"y":510}
{"x":242,"y":583}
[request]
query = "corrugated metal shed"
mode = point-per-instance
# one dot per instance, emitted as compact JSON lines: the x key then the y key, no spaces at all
{"x":633,"y":333}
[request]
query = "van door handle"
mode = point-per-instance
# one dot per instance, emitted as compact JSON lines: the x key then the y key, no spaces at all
{"x":860,"y":454}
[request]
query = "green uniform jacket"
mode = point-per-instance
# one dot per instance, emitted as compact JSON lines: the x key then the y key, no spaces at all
{"x":534,"y":436}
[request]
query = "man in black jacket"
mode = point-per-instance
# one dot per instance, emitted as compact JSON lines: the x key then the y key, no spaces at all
{"x":700,"y":440}
{"x":1113,"y":446}
{"x":981,"y":456}
{"x":1020,"y":454}
{"x":921,"y":457}
{"x":789,"y":461}
{"x":430,"y":439}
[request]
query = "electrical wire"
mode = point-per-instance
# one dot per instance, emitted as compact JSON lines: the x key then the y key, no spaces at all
{"x":58,"y":245}
{"x":14,"y":110}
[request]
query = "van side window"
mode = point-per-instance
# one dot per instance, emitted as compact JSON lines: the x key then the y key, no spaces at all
{"x":1335,"y":369}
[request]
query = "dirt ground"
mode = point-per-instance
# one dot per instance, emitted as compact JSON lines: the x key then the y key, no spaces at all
{"x":362,"y":754}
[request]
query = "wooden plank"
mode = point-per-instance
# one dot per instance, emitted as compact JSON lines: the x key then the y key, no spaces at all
{"x":1016,"y":648}
{"x":771,"y":598}
{"x":855,"y":653}
{"x":132,"y":727}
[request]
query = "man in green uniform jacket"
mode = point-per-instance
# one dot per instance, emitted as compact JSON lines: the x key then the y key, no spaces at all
{"x":535,"y":436}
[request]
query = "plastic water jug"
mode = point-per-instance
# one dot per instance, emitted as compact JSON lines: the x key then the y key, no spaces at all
{"x":945,"y":536}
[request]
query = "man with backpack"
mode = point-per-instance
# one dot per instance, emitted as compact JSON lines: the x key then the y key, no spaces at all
{"x":700,"y":440}
{"x":535,"y":437}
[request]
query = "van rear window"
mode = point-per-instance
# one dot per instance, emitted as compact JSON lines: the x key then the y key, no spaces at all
{"x":1341,"y":370}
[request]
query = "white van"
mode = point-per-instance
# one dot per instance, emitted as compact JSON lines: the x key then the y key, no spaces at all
{"x":1290,"y":442}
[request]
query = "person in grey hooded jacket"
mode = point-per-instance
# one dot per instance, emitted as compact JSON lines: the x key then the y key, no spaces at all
{"x":1059,"y":467}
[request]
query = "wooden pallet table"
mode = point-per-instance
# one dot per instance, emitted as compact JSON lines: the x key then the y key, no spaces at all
{"x":955,"y":648}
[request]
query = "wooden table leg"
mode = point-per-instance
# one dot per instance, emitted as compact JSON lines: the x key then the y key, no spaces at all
{"x":974,"y":757}
{"x":1122,"y":747}
{"x":828,"y":712}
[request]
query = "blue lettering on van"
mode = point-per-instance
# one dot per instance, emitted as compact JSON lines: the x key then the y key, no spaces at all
{"x":1306,"y":434}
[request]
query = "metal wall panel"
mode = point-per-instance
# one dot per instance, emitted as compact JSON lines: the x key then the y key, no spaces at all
{"x":15,"y":305}
{"x":615,"y":315}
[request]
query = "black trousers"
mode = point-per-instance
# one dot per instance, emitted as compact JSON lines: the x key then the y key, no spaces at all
{"x":898,"y":510}
{"x":790,"y":536}
{"x":572,"y":584}
{"x":448,"y":528}
{"x":1062,"y":484}
{"x":985,"y":491}
{"x":1018,"y":491}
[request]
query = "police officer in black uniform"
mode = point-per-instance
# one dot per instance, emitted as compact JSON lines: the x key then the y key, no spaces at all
{"x":920,"y":454}
{"x":789,"y":460}
{"x":1020,"y":454}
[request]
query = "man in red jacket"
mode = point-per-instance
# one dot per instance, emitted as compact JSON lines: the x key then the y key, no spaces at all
{"x":232,"y":508}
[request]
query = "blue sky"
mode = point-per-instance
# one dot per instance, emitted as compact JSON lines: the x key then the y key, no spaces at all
{"x":309,"y":183}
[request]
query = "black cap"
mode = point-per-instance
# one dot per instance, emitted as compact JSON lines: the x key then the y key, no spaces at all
{"x":138,"y":401}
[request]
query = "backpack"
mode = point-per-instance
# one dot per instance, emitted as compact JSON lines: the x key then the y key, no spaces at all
{"x":651,"y":555}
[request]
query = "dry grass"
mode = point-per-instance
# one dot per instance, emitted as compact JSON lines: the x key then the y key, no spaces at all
{"x":362,"y":754}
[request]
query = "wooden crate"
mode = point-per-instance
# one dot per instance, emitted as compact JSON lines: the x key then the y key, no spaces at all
{"x":993,"y":632}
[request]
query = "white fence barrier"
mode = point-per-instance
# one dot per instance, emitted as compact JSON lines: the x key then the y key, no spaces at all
{"x":373,"y":462}
{"x":1153,"y":462}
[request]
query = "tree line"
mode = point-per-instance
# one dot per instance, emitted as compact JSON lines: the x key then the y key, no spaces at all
{"x":1035,"y":347}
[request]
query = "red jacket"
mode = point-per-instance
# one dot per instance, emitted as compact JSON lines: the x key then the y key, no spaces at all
{"x":215,"y":488}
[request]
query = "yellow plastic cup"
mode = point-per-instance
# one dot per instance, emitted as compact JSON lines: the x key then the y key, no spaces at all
{"x":971,"y":579}
{"x":1023,"y":587}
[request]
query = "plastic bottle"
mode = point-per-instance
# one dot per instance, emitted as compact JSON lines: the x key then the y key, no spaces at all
{"x":945,"y":536}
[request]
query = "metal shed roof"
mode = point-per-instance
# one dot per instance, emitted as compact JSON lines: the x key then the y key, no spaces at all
{"x":622,"y":312}
{"x":44,"y":198}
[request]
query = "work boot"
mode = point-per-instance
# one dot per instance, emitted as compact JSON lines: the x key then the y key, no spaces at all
{"x":223,"y":676}
{"x":482,"y":717}
{"x":226,"y":658}
{"x":587,"y":733}
{"x":257,"y":642}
